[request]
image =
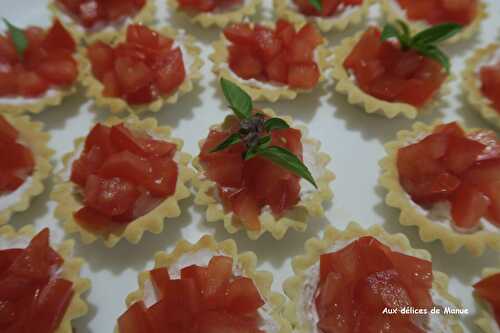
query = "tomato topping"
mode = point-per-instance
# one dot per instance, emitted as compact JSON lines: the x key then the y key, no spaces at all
{"x":434,"y":12}
{"x":16,"y":160}
{"x":328,"y":7}
{"x":279,"y":55}
{"x":197,"y":6}
{"x":490,"y":83}
{"x":487,"y":289}
{"x":383,"y":70}
{"x":32,"y":297}
{"x":245,"y":187}
{"x":140,"y":69}
{"x":48,"y":62}
{"x":452,"y":166}
{"x":123,"y":175}
{"x":203,"y":299}
{"x":98,"y":13}
{"x":359,"y":281}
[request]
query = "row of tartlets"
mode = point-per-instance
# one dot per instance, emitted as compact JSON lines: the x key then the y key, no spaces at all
{"x":342,"y":283}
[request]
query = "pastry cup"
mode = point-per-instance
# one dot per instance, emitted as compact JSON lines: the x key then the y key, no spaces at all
{"x":356,"y":96}
{"x":411,"y":214}
{"x":472,"y":85}
{"x":146,"y":15}
{"x":53,"y":97}
{"x":296,"y":217}
{"x":31,"y":134}
{"x":69,"y":271}
{"x":222,"y":18}
{"x":315,"y":247}
{"x":192,"y":63}
{"x":65,"y":192}
{"x":485,"y":320}
{"x":245,"y":263}
{"x":286,"y":9}
{"x":261,"y":91}
{"x":393,"y":12}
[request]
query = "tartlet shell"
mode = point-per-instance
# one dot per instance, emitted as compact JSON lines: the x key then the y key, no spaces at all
{"x":70,"y":271}
{"x":115,"y":104}
{"x":429,"y":231}
{"x":65,"y":192}
{"x":314,"y":247}
{"x":485,"y":320}
{"x":247,"y":261}
{"x":296,"y":218}
{"x":283,"y":10}
{"x":31,"y":133}
{"x":219,"y":59}
{"x":471,"y":85}
{"x":391,"y":14}
{"x":145,"y":16}
{"x":220,"y":19}
{"x":356,"y":96}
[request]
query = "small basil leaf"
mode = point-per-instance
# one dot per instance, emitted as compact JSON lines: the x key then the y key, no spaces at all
{"x":287,"y":160}
{"x":250,"y":153}
{"x":18,"y":38}
{"x":262,"y":144}
{"x":436,"y":34}
{"x":238,"y":99}
{"x":231,"y":140}
{"x":435,"y":53}
{"x":390,"y":31}
{"x":275,"y":123}
{"x":404,"y":27}
{"x":316,"y":4}
{"x":264,"y":141}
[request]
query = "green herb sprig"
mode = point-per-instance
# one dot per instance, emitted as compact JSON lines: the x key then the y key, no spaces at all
{"x":18,"y":38}
{"x":423,"y":42}
{"x":317,"y":4}
{"x":255,"y":132}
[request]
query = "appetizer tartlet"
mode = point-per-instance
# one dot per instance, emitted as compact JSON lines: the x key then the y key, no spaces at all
{"x":126,"y":177}
{"x":271,"y":61}
{"x":91,"y":20}
{"x":391,"y":72}
{"x":141,"y":70}
{"x":350,"y":280}
{"x":24,"y":163}
{"x":250,"y":169}
{"x":327,"y":14}
{"x":422,"y":14}
{"x":486,"y":291}
{"x":216,"y":13}
{"x":481,"y":83}
{"x":38,"y":67}
{"x":41,"y":284}
{"x":445,"y":180}
{"x":204,"y":287}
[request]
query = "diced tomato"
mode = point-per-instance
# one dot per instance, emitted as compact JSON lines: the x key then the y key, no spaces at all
{"x":299,"y":52}
{"x":127,"y":166}
{"x":31,"y":84}
{"x":303,"y":76}
{"x":59,"y":38}
{"x":7,"y":132}
{"x":198,"y":5}
{"x":101,"y":57}
{"x":268,"y":44}
{"x":135,"y":320}
{"x":367,"y":48}
{"x":441,"y":11}
{"x":285,"y":31}
{"x":132,"y":75}
{"x":462,"y":153}
{"x":173,"y":72}
{"x":242,"y":296}
{"x":87,"y":164}
{"x":346,"y":262}
{"x":162,"y":181}
{"x":59,"y":72}
{"x":468,"y":206}
{"x":245,"y":65}
{"x":7,"y":257}
{"x":160,"y":278}
{"x":310,"y":34}
{"x":198,"y":274}
{"x":140,"y":34}
{"x":220,"y":270}
{"x":94,"y":221}
{"x":111,"y":85}
{"x":240,"y":33}
{"x":487,"y":288}
{"x":277,"y":69}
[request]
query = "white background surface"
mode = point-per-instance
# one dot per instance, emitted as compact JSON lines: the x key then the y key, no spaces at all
{"x":353,"y":139}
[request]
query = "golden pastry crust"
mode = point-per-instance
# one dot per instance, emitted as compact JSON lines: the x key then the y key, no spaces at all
{"x":189,"y":51}
{"x":315,"y":247}
{"x":411,"y":214}
{"x":223,"y":18}
{"x":261,"y":91}
{"x":246,"y":262}
{"x":145,"y":16}
{"x":356,"y":96}
{"x":391,"y":13}
{"x":65,"y":192}
{"x":31,"y":134}
{"x":471,"y":85}
{"x":69,"y":271}
{"x":485,"y":320}
{"x":340,"y":22}
{"x":296,"y":218}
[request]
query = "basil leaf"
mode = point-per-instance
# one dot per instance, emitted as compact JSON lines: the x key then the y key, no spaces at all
{"x":275,"y":123}
{"x":435,"y":53}
{"x":316,"y":4}
{"x":287,"y":160}
{"x":262,"y":144}
{"x":436,"y":34}
{"x":404,"y":27}
{"x":390,"y":31}
{"x":231,"y":140}
{"x":264,"y":141}
{"x":238,"y":99}
{"x":18,"y":38}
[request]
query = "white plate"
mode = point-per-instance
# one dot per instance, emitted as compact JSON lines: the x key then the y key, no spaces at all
{"x":353,"y":138}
